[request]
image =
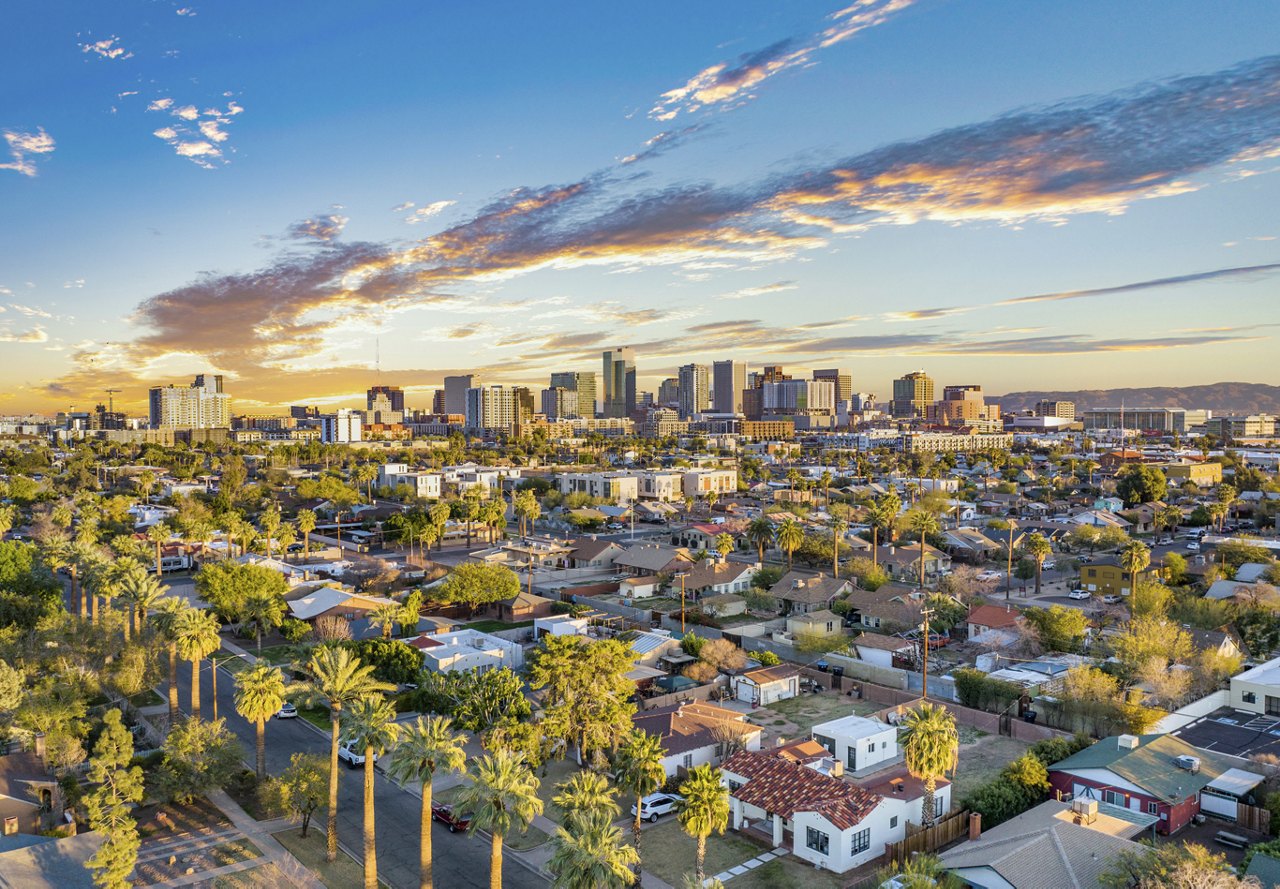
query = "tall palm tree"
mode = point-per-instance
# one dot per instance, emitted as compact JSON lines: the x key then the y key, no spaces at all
{"x":1038,"y":548}
{"x":924,"y":523}
{"x":930,"y":749}
{"x":426,"y":747}
{"x":760,"y":533}
{"x":167,"y":620}
{"x":1168,"y":518}
{"x":825,"y":480}
{"x":371,"y":724}
{"x":502,"y":796}
{"x":339,"y":679}
{"x":262,"y":610}
{"x":196,"y":634}
{"x":838,"y":526}
{"x":143,"y":591}
{"x":790,"y":538}
{"x":589,"y":853}
{"x":724,"y":544}
{"x":306,"y":524}
{"x":637,"y":768}
{"x":259,"y":696}
{"x":705,"y":808}
{"x":586,"y":793}
{"x":881,"y":514}
{"x":1134,"y":558}
{"x":159,"y":534}
{"x":385,"y":617}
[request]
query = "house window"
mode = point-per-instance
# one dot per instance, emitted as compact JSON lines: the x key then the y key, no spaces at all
{"x":861,"y":841}
{"x":734,"y":785}
{"x":1113,"y":797}
{"x":1153,"y":808}
{"x":817,"y":840}
{"x":871,"y":748}
{"x":1249,"y":697}
{"x":688,"y":760}
{"x":10,"y":825}
{"x":893,"y":822}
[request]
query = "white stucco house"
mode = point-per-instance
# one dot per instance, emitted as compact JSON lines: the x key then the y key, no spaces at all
{"x":467,"y":650}
{"x":1258,"y":690}
{"x":860,"y":743}
{"x":695,"y":733}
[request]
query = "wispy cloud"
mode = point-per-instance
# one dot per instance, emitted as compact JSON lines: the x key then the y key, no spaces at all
{"x":730,"y":83}
{"x":185,"y":10}
{"x":763,"y":290}
{"x":662,"y":143}
{"x":319,"y":228}
{"x":1246,"y":272}
{"x":109,"y":48}
{"x":199,"y":136}
{"x":34,"y":335}
{"x":22,"y":146}
{"x":426,"y":211}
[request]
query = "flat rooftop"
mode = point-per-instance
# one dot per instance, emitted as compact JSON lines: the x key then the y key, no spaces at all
{"x":1233,"y":732}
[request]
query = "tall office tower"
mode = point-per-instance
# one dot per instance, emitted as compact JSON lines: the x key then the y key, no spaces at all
{"x":960,"y":405}
{"x":437,"y":402}
{"x":582,"y":383}
{"x":803,"y":397}
{"x":304,"y":411}
{"x":669,"y":392}
{"x":695,"y":390}
{"x":912,"y":395}
{"x":394,"y":397}
{"x":490,"y":407}
{"x":340,"y":427}
{"x":843,"y":380}
{"x":202,"y":405}
{"x":729,"y":378}
{"x":559,"y":403}
{"x":619,"y":382}
{"x":772,"y":373}
{"x":455,"y":392}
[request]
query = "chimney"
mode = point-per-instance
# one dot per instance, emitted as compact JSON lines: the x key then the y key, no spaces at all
{"x":975,"y":826}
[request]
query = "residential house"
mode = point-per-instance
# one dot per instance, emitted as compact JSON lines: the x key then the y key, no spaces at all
{"x":765,"y":685}
{"x":649,"y":647}
{"x":1099,"y":518}
{"x":696,"y":733}
{"x":815,"y":624}
{"x":652,"y":558}
{"x":970,"y":545}
{"x":834,"y":824}
{"x":703,"y":536}
{"x":524,"y":606}
{"x":293,"y":574}
{"x":880,"y":650}
{"x":29,"y":794}
{"x":329,"y":601}
{"x":1114,"y":460}
{"x":1107,"y":577}
{"x":903,"y":563}
{"x":992,"y":623}
{"x":1257,"y":690}
{"x":711,"y":577}
{"x":1050,"y":846}
{"x":803,"y":591}
{"x":892,"y":607}
{"x":589,"y":552}
{"x":860,"y":743}
{"x":1224,"y":641}
{"x":463,"y":650}
{"x":1142,"y":517}
{"x":723,"y":605}
{"x":42,"y":862}
{"x":1157,"y":775}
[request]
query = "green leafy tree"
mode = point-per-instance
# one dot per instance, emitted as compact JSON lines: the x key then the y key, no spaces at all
{"x":116,"y":786}
{"x":587,"y":699}
{"x":198,"y":757}
{"x":474,"y":585}
{"x":259,"y":696}
{"x":371,"y":724}
{"x":1059,"y":628}
{"x":502,"y":797}
{"x":338,"y":679}
{"x":427,"y":747}
{"x":228,"y":586}
{"x":704,"y":809}
{"x":637,"y":767}
{"x":1141,"y":483}
{"x":1172,"y":866}
{"x":300,"y":790}
{"x":930,"y":748}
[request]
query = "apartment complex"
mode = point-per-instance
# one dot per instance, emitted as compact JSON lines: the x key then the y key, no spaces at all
{"x":1163,"y":420}
{"x":842,"y":379}
{"x":498,"y":408}
{"x":1065,"y":410}
{"x":341,"y":427}
{"x":202,"y":405}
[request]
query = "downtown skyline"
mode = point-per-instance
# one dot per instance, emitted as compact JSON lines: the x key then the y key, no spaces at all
{"x":1022,"y":197}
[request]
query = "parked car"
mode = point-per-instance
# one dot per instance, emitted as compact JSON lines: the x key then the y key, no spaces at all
{"x":656,"y":804}
{"x":1111,"y":599}
{"x":617,"y":526}
{"x":1165,"y":541}
{"x":352,"y":755}
{"x":450,"y":819}
{"x":1193,"y":547}
{"x":1079,"y":594}
{"x":288,"y":711}
{"x":990,"y":575}
{"x":1049,"y":565}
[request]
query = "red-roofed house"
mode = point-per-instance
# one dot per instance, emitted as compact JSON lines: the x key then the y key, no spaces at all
{"x":835,"y":824}
{"x":992,"y":619}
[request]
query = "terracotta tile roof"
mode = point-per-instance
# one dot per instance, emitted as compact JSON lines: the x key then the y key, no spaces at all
{"x":784,"y":788}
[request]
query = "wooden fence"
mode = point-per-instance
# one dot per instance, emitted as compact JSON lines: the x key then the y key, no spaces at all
{"x":1253,"y":818}
{"x":927,"y":839}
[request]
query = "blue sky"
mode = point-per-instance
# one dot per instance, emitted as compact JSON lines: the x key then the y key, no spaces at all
{"x":266,"y":190}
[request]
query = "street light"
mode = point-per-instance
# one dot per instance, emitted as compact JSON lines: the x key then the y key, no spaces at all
{"x":213,"y":668}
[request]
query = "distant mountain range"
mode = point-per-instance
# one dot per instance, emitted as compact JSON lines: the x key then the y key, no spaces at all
{"x":1221,"y":398}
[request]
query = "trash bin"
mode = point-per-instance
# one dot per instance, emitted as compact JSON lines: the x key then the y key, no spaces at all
{"x":1029,"y":716}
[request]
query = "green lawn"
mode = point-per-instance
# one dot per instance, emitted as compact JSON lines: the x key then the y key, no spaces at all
{"x":281,"y":655}
{"x":317,"y":716}
{"x":341,"y":874}
{"x":787,"y":873}
{"x":147,"y":698}
{"x":495,"y":626}
{"x":669,"y":853}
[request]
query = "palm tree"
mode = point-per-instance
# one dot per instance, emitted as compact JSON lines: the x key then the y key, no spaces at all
{"x":724,"y":545}
{"x":260,"y":695}
{"x":881,"y":514}
{"x":1039,"y":549}
{"x":339,"y":680}
{"x":1168,"y":518}
{"x":143,"y":591}
{"x":371,"y":724}
{"x":196,"y":634}
{"x":825,"y":480}
{"x":924,"y":523}
{"x":385,"y":617}
{"x":159,"y":534}
{"x":790,"y":538}
{"x":426,"y":747}
{"x":637,"y":767}
{"x":590,"y":854}
{"x":262,"y":610}
{"x":585,"y":793}
{"x":760,"y":533}
{"x":705,"y":808}
{"x":502,"y":796}
{"x":306,"y":524}
{"x":1134,"y":558}
{"x":1226,"y":495}
{"x":269,"y":522}
{"x":168,"y":617}
{"x":930,"y":749}
{"x":838,"y":526}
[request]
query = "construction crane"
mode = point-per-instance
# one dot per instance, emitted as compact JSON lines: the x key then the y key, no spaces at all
{"x":111,"y":401}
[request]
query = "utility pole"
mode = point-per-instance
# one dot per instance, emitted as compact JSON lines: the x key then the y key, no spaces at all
{"x":682,"y":577}
{"x":1008,"y":574}
{"x":926,"y":613}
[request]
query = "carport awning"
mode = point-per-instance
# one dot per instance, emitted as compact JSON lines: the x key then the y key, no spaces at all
{"x":1235,"y":782}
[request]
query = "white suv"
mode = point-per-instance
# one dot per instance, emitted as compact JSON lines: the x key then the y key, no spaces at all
{"x":656,"y":804}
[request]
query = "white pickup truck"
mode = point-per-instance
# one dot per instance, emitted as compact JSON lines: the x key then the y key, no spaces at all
{"x":352,"y":755}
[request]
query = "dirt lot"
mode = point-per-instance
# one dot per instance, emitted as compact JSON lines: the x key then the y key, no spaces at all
{"x":795,"y":717}
{"x":982,"y":756}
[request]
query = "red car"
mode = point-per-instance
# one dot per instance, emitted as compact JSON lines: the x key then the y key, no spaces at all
{"x":445,"y":815}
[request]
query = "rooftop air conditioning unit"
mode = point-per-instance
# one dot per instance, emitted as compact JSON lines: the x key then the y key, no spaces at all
{"x":1190,"y":763}
{"x":1086,"y":809}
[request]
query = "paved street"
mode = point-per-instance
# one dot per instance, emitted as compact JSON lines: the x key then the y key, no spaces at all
{"x":460,"y":860}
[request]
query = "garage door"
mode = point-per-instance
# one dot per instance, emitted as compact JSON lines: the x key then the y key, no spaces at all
{"x":1213,"y":804}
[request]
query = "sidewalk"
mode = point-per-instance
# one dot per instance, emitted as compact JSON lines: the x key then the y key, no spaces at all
{"x":260,"y":834}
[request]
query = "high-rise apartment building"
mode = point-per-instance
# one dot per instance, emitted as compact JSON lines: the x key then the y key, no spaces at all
{"x":798,"y":397}
{"x":619,"y":382}
{"x":202,"y":405}
{"x":455,"y":392}
{"x":498,"y":408}
{"x":912,"y":395}
{"x":728,"y":379}
{"x":842,"y":379}
{"x":669,"y":392}
{"x":584,"y":384}
{"x":1066,"y":410}
{"x":559,"y":403}
{"x":695,"y":390}
{"x":340,"y":427}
